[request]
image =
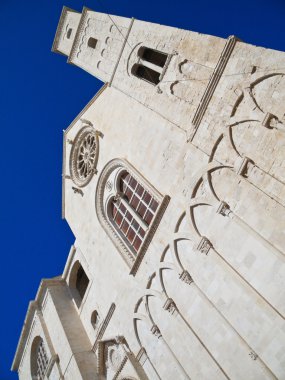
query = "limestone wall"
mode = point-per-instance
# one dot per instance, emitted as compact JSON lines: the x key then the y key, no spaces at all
{"x":207,"y":300}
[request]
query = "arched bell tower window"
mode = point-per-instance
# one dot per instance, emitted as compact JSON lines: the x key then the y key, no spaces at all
{"x":92,"y":42}
{"x":150,"y":66}
{"x":129,"y":209}
{"x":145,"y":73}
{"x":78,"y":282}
{"x":39,"y":359}
{"x":155,"y":57}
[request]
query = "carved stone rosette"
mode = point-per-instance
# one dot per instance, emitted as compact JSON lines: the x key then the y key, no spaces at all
{"x":84,"y":156}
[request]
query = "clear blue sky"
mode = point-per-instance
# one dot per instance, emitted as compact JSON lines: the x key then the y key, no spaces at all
{"x":40,"y":95}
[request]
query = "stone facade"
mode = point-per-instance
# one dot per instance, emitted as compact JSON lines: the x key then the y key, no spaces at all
{"x":202,"y":296}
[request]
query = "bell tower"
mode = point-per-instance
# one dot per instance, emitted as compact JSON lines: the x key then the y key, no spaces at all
{"x":92,"y":41}
{"x":164,"y":68}
{"x":66,"y":31}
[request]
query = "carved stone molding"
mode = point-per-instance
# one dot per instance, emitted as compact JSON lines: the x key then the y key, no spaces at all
{"x":155,"y":331}
{"x":103,"y":326}
{"x":204,"y":245}
{"x":241,"y":165}
{"x":78,"y":36}
{"x":253,"y":355}
{"x":255,"y":112}
{"x":223,"y":209}
{"x":186,"y":277}
{"x":112,"y":357}
{"x":170,"y":306}
{"x":77,"y":191}
{"x":214,"y":80}
{"x":142,"y":356}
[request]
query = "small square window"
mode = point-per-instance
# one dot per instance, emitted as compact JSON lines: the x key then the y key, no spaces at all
{"x":92,"y":42}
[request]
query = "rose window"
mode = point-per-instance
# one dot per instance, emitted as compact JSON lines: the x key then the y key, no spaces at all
{"x":84,"y":154}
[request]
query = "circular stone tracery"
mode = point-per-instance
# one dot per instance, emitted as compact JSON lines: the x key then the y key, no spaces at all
{"x":83,"y":157}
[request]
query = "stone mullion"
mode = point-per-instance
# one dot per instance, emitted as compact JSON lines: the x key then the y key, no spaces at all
{"x":134,"y":214}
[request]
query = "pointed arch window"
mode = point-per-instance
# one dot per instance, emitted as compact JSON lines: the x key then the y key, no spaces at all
{"x":151,"y":65}
{"x":129,"y":209}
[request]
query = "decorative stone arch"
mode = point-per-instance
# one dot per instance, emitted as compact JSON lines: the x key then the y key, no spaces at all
{"x":78,"y":282}
{"x":39,"y":359}
{"x":107,"y":191}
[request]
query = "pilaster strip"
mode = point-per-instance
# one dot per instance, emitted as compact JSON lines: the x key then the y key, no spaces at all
{"x":214,"y":80}
{"x":103,"y":326}
{"x":121,"y":52}
{"x":63,"y":177}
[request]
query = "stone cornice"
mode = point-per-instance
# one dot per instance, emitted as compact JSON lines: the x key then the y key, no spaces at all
{"x":33,"y":307}
{"x":122,"y":50}
{"x":59,"y":29}
{"x":213,"y":82}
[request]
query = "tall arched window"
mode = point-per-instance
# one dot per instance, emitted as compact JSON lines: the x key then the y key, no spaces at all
{"x":78,"y":282}
{"x":132,"y":209}
{"x":150,"y":65}
{"x":39,"y":359}
{"x":129,"y":209}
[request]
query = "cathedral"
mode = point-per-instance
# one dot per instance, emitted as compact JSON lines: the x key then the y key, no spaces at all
{"x":173,"y":184}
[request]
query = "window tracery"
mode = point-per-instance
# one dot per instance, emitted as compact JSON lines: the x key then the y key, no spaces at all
{"x":84,"y":156}
{"x":129,"y":209}
{"x":39,"y":359}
